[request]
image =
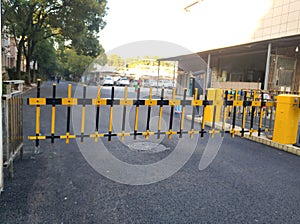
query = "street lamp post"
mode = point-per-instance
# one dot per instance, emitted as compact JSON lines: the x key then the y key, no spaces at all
{"x":158,"y":68}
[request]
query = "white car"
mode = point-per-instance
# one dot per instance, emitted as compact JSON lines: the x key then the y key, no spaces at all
{"x":122,"y":82}
{"x":168,"y":84}
{"x":108,"y":81}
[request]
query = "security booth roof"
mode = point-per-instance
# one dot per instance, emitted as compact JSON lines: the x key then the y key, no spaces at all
{"x":197,"y":61}
{"x":188,"y":63}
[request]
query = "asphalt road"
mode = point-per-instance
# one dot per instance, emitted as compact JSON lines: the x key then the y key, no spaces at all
{"x":246,"y":182}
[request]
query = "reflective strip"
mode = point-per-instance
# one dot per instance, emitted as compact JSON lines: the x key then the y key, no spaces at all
{"x":197,"y":102}
{"x":150,"y":102}
{"x":256,"y":104}
{"x":82,"y":119}
{"x":174,"y":102}
{"x":37,"y":101}
{"x":36,"y":137}
{"x":148,"y":133}
{"x":270,"y":104}
{"x":37,"y":120}
{"x":69,"y":101}
{"x":193,"y":132}
{"x":53,"y":120}
{"x":123,"y":134}
{"x":67,"y":137}
{"x":99,"y":102}
{"x":238,"y":103}
{"x":111,"y":118}
{"x":96,"y":135}
{"x":126,"y":102}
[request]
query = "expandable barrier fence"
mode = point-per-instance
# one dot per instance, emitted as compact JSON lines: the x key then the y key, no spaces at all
{"x":229,"y":109}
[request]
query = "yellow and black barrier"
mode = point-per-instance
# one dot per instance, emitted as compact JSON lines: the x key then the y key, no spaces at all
{"x":221,"y":105}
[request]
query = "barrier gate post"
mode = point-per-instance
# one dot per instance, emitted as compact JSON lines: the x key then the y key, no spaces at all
{"x":286,"y":119}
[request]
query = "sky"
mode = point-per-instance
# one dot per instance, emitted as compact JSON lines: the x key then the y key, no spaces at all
{"x":209,"y":24}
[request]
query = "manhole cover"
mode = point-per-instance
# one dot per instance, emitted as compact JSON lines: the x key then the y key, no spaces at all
{"x":146,"y":146}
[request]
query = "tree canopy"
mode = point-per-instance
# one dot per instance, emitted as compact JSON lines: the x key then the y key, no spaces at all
{"x":75,"y":21}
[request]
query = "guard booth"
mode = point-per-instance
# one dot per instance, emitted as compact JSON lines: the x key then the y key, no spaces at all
{"x":286,"y":119}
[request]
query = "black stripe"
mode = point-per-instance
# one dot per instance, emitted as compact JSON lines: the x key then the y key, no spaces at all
{"x":53,"y":101}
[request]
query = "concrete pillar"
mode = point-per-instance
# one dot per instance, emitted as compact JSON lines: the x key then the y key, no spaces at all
{"x":267,"y":67}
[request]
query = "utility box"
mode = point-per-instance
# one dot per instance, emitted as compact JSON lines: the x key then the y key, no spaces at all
{"x":217,"y":96}
{"x":286,"y":119}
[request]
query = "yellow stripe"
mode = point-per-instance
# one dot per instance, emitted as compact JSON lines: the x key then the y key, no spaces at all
{"x":150,"y":102}
{"x":37,"y":120}
{"x":126,"y":102}
{"x":203,"y":121}
{"x":147,"y":133}
{"x":53,"y":120}
{"x":69,"y":101}
{"x":69,"y":90}
{"x":182,"y":118}
{"x":99,"y":102}
{"x":123,"y":134}
{"x":214,"y":131}
{"x":197,"y":102}
{"x":255,"y":103}
{"x":82,"y":119}
{"x":174,"y":102}
{"x":37,"y":101}
{"x":174,"y":94}
{"x":160,"y":118}
{"x":136,"y":122}
{"x":99,"y":92}
{"x":111,"y":118}
{"x":191,"y":132}
{"x":96,"y":135}
{"x":196,"y":94}
{"x":238,"y":103}
{"x":126,"y":93}
{"x":150,"y":93}
{"x":67,"y":137}
{"x":270,"y":104}
{"x":244,"y":117}
{"x":36,"y":137}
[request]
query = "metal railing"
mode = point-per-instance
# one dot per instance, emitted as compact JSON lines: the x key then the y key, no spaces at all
{"x":12,"y":123}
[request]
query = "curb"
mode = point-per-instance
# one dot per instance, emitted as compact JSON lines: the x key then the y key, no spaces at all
{"x":260,"y":139}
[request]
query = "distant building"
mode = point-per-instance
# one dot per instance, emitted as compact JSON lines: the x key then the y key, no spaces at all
{"x":9,"y":53}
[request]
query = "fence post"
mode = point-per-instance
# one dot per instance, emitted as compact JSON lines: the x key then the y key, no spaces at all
{"x":1,"y":134}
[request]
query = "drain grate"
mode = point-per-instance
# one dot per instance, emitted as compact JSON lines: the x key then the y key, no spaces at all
{"x":146,"y":146}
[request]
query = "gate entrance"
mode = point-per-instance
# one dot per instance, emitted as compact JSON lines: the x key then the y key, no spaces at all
{"x":237,"y":112}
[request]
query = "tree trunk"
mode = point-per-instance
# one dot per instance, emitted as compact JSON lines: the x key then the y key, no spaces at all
{"x":28,"y":70}
{"x":19,"y":58}
{"x":33,"y":71}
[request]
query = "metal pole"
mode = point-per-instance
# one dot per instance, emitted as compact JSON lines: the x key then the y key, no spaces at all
{"x":267,"y":67}
{"x":1,"y":143}
{"x":174,"y":74}
{"x":207,"y":84}
{"x":158,"y":68}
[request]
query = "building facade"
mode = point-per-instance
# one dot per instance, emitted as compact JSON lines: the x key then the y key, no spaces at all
{"x":268,"y":59}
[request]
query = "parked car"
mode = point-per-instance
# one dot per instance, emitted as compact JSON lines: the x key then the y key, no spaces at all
{"x":168,"y":84}
{"x":108,"y":81}
{"x":122,"y":82}
{"x":153,"y":83}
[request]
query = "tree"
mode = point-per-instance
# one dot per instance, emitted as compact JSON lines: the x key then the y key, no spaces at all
{"x":76,"y":64}
{"x":45,"y":55}
{"x":33,"y":21}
